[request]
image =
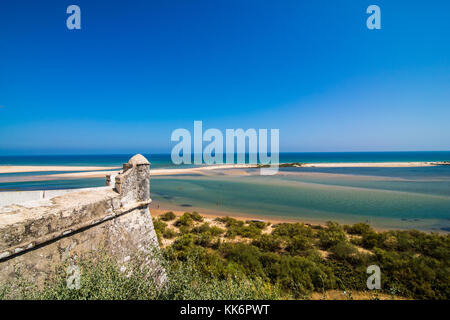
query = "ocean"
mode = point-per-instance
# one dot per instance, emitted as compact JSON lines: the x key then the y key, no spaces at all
{"x":404,"y":198}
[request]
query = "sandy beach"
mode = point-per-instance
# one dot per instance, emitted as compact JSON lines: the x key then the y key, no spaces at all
{"x":372,"y":164}
{"x":156,"y":212}
{"x":209,"y":217}
{"x":84,"y":172}
{"x":23,"y":169}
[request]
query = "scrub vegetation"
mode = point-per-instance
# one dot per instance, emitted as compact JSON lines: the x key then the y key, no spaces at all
{"x":227,"y":258}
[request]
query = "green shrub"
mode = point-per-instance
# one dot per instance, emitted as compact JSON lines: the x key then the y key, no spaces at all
{"x":196,"y":216}
{"x":203,"y":239}
{"x":184,"y":242}
{"x":216,"y":231}
{"x":372,"y":239}
{"x":258,"y":224}
{"x":239,"y":228}
{"x":245,"y":256}
{"x":184,"y":229}
{"x":205,"y":227}
{"x":299,"y":244}
{"x":102,"y":279}
{"x":184,"y":220}
{"x":267,"y":242}
{"x":331,"y":235}
{"x":243,"y":231}
{"x":358,"y":228}
{"x":169,"y":233}
{"x":343,"y":250}
{"x":159,"y":225}
{"x":168,"y":216}
{"x":289,"y":230}
{"x":301,"y":276}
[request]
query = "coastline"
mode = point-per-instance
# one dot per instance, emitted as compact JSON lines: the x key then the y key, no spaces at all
{"x":94,"y":171}
{"x":53,"y":173}
{"x":158,"y":211}
{"x":378,"y":224}
{"x":375,"y":164}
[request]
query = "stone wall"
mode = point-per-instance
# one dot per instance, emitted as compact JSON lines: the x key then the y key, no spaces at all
{"x":36,"y":236}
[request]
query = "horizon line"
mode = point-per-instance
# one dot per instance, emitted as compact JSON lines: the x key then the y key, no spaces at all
{"x":168,"y":153}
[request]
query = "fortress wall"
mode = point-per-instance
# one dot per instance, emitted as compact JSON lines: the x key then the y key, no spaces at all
{"x":36,"y":236}
{"x":19,"y":197}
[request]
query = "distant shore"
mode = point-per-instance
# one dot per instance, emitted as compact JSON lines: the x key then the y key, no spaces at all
{"x":376,"y":164}
{"x":92,"y":171}
{"x":85,"y":172}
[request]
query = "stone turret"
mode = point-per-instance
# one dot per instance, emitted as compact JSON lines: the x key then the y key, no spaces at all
{"x":133,"y":183}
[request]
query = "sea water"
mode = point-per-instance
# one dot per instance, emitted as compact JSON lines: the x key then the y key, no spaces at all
{"x":408,"y":197}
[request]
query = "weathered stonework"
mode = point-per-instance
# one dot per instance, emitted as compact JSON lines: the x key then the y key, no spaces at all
{"x":132,"y":182}
{"x":36,"y":236}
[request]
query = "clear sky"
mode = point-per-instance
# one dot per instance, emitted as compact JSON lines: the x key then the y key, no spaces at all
{"x":137,"y":70}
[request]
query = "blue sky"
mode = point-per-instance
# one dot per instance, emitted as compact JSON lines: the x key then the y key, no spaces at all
{"x":137,"y":70}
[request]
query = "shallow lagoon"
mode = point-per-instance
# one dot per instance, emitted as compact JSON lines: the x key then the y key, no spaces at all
{"x":385,"y":197}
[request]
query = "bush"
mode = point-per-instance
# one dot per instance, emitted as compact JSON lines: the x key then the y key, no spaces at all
{"x":245,"y":256}
{"x":203,"y":239}
{"x":299,"y":244}
{"x":196,"y":216}
{"x":168,"y":216}
{"x":331,"y":235}
{"x":372,"y":239}
{"x":243,"y":231}
{"x":103,"y":280}
{"x":169,"y":233}
{"x":289,"y":230}
{"x":159,"y":225}
{"x":343,"y":251}
{"x":301,"y":276}
{"x":184,"y":229}
{"x":184,"y":220}
{"x":238,"y":228}
{"x":184,"y":242}
{"x":205,"y":227}
{"x":258,"y":224}
{"x":267,"y":242}
{"x":358,"y":228}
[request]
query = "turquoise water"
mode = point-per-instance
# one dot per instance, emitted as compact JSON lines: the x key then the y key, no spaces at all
{"x":404,"y":198}
{"x":408,"y":200}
